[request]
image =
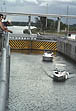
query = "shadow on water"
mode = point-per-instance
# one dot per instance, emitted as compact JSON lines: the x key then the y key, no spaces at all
{"x":29,"y":51}
{"x":66,"y":58}
{"x":70,"y":64}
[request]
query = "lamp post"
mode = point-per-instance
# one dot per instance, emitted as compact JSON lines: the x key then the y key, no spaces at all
{"x":67,"y":21}
{"x":58,"y":28}
{"x":29,"y":24}
{"x":46,"y":13}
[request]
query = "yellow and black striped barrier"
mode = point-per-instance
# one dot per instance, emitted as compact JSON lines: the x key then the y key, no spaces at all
{"x":33,"y":44}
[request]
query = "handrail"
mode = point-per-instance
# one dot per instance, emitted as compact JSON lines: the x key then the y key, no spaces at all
{"x":5,"y":71}
{"x":3,"y":81}
{"x":39,"y":14}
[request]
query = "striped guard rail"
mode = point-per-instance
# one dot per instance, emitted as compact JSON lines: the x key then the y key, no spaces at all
{"x":33,"y":44}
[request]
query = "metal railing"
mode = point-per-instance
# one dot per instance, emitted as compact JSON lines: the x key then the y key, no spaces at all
{"x":32,"y":37}
{"x":5,"y":72}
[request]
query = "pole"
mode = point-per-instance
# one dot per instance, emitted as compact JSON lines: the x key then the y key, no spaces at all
{"x":29,"y":24}
{"x":47,"y":13}
{"x":67,"y":21}
{"x":58,"y":29}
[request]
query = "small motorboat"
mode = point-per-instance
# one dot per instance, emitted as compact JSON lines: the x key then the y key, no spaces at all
{"x":60,"y":74}
{"x":48,"y":56}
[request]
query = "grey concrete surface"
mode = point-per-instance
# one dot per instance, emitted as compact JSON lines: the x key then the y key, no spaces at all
{"x":67,"y":47}
{"x":32,"y":89}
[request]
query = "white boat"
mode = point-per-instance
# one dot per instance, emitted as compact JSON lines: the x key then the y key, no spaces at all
{"x":60,"y":73}
{"x":47,"y":56}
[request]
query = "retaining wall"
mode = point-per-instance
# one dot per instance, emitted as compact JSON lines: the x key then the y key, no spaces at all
{"x":67,"y":47}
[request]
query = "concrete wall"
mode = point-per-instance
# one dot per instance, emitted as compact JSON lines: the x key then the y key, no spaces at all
{"x":67,"y":47}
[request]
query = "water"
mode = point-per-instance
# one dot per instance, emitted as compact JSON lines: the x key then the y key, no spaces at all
{"x":31,"y":89}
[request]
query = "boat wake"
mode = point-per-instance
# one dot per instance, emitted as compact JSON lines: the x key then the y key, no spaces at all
{"x":51,"y":76}
{"x":71,"y":76}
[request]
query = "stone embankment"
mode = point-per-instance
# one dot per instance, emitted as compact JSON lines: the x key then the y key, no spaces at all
{"x":67,"y":47}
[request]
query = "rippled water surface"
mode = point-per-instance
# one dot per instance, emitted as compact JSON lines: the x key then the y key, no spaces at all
{"x":32,"y":88}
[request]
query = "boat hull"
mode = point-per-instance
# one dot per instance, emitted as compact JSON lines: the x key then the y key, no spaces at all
{"x":47,"y":58}
{"x":61,"y":78}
